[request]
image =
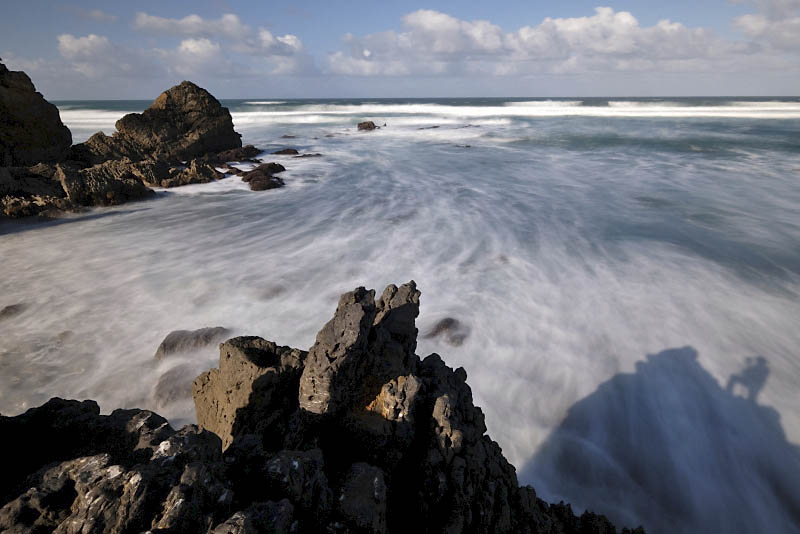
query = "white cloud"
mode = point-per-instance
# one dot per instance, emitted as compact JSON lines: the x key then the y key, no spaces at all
{"x":434,"y":43}
{"x":99,"y":15}
{"x":94,"y":56}
{"x":776,"y":25}
{"x":227,"y":25}
{"x":283,"y":54}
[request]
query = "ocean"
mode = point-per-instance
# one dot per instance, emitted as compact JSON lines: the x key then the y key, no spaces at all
{"x":626,"y":272}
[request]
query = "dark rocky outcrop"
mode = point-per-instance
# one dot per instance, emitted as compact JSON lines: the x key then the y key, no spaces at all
{"x":184,"y":122}
{"x":287,"y":152}
{"x":31,"y":130}
{"x":357,"y":435}
{"x":367,"y":125}
{"x":33,"y":190}
{"x":106,"y":184}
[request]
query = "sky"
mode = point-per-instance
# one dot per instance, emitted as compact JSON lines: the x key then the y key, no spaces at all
{"x":388,"y":48}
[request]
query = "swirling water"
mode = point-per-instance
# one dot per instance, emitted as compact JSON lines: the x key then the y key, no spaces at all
{"x":573,"y":238}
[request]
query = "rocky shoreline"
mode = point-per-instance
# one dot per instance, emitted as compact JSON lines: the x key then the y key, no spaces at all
{"x":357,"y":434}
{"x":185,"y":137}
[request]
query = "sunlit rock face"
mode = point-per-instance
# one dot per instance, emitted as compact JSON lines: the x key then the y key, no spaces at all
{"x":357,"y":435}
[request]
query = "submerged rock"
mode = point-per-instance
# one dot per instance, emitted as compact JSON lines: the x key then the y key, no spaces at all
{"x":12,"y":310}
{"x":367,"y":125}
{"x":31,"y":130}
{"x":452,"y":331}
{"x":357,"y":435}
{"x":179,"y":341}
{"x":287,"y":152}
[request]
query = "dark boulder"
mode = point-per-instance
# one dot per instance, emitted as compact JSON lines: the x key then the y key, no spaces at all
{"x":261,"y":178}
{"x":367,"y":125}
{"x":31,"y":130}
{"x":184,"y":122}
{"x":287,"y":152}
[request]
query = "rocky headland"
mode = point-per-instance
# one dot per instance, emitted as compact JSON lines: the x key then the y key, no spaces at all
{"x":185,"y":137}
{"x":358,"y":434}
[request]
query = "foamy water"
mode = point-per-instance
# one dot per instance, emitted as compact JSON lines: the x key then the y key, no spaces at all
{"x":571,"y":238}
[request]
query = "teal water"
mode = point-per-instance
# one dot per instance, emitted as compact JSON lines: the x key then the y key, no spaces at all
{"x":571,"y":237}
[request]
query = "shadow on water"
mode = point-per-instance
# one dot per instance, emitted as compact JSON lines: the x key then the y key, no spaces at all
{"x":668,"y":448}
{"x":12,"y":226}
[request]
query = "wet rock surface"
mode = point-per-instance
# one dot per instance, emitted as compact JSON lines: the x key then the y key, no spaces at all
{"x":356,"y":435}
{"x":287,"y":152}
{"x":367,"y":125}
{"x":31,"y":130}
{"x":263,"y":177}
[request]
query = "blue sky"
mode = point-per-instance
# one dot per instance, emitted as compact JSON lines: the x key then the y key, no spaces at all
{"x":240,"y":49}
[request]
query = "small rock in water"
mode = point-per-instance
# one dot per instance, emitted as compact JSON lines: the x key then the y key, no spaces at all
{"x":367,"y":125}
{"x":451,"y":330}
{"x":188,"y":340}
{"x":12,"y":310}
{"x":287,"y":136}
{"x":261,"y":178}
{"x":287,"y":152}
{"x":314,"y":155}
{"x":174,"y":385}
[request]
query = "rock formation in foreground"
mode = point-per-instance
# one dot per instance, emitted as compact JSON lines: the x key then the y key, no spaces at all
{"x":31,"y":130}
{"x":357,"y":435}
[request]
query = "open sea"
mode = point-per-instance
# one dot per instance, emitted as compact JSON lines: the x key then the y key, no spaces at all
{"x":626,"y":271}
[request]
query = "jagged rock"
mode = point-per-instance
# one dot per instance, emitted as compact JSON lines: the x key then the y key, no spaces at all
{"x":189,"y":340}
{"x":365,"y":345}
{"x":287,"y":152}
{"x":371,"y":439}
{"x":184,"y":122}
{"x":106,"y":184}
{"x":367,"y":125}
{"x":252,"y":391}
{"x":31,"y":191}
{"x":451,"y":330}
{"x":261,"y":518}
{"x":31,"y":130}
{"x":196,"y":172}
{"x":245,"y":153}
